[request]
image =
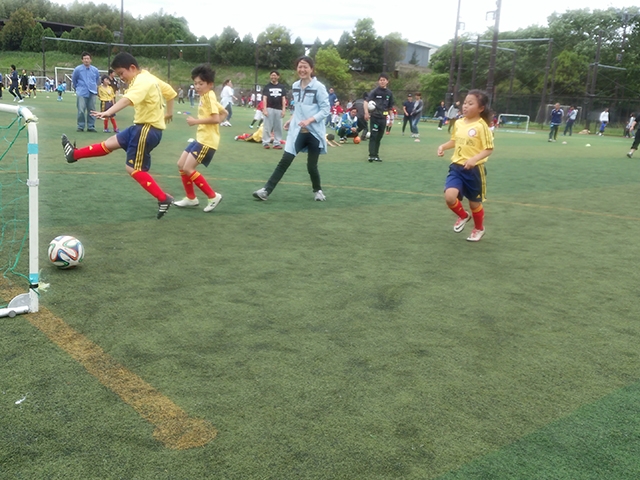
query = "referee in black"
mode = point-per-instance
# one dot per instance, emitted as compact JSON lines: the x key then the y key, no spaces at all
{"x":377,"y":117}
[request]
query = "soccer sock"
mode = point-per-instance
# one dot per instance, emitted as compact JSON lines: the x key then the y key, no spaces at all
{"x":147,"y":182}
{"x":95,"y":150}
{"x":188,"y":185}
{"x":478,"y":217}
{"x":113,"y":122}
{"x":106,"y":123}
{"x":202,"y":184}
{"x":458,"y":209}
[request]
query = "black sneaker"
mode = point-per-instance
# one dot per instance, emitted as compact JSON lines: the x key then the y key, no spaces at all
{"x":68,"y":149}
{"x":164,"y":206}
{"x":371,"y":159}
{"x":376,"y":159}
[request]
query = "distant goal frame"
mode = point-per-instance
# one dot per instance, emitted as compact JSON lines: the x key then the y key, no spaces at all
{"x":506,"y":126}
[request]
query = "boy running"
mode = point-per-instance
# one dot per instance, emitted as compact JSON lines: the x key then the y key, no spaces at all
{"x":201,"y":151}
{"x":147,"y":94}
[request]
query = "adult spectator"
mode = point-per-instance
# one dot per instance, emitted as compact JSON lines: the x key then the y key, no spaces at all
{"x":572,"y":115}
{"x":274,"y":110}
{"x":85,"y":81}
{"x":440,"y":114}
{"x":416,"y":115}
{"x":363,"y":125}
{"x":14,"y":89}
{"x":348,"y":125}
{"x":333,"y":98}
{"x":452,"y":114}
{"x":407,"y":110}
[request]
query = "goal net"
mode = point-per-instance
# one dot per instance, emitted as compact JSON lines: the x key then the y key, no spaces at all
{"x":18,"y":211}
{"x":511,"y":122}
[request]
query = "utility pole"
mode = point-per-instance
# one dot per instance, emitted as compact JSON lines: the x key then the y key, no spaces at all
{"x":452,"y":65}
{"x":494,"y":51}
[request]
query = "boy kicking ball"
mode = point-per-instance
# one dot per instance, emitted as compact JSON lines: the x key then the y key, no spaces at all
{"x":147,"y":94}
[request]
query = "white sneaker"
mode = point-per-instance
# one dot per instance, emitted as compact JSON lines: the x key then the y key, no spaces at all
{"x":461,"y":222}
{"x":21,"y":100}
{"x":630,"y":154}
{"x":187,"y":202}
{"x":213,"y":202}
{"x":476,"y":235}
{"x":319,"y":197}
{"x":439,"y":128}
{"x":261,"y":194}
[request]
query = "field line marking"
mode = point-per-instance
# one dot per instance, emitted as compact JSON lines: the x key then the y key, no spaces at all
{"x":174,"y":428}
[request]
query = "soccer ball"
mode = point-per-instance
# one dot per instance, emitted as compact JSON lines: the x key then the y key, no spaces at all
{"x":356,"y":140}
{"x":66,"y":252}
{"x":372,"y":105}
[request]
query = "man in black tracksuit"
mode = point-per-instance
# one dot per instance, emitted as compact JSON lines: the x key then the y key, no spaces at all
{"x":377,"y":116}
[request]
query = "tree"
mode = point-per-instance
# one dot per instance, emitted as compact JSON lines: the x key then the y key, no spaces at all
{"x":395,"y":48}
{"x":435,"y":84}
{"x":275,"y":48}
{"x":366,"y":47}
{"x":333,"y":69}
{"x":33,"y":41}
{"x":19,"y":26}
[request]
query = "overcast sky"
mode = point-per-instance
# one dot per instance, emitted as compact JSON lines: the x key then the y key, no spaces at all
{"x":427,"y":21}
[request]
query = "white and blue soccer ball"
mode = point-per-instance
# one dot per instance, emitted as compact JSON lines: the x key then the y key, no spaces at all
{"x":372,"y":105}
{"x":66,"y":251}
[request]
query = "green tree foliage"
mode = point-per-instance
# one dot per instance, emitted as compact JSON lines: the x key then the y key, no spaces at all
{"x":333,"y":69}
{"x":32,"y":42}
{"x":435,"y":86}
{"x":395,"y":48}
{"x":275,"y":47}
{"x":19,"y":26}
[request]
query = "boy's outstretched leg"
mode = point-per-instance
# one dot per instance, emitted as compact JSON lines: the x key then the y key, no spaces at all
{"x":73,"y":154}
{"x":147,"y":182}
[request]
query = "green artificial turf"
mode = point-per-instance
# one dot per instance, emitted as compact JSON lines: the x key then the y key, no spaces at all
{"x":357,"y":338}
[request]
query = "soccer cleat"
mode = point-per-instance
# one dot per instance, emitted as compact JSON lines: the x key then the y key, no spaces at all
{"x":261,"y":194}
{"x":213,"y":202}
{"x":164,"y":206}
{"x":461,"y":222}
{"x":371,"y":158}
{"x":630,"y":154}
{"x":116,"y":130}
{"x":68,"y":149}
{"x":277,"y":147}
{"x":377,"y":159}
{"x":266,"y":145}
{"x":476,"y":235}
{"x":251,"y":127}
{"x":187,"y":202}
{"x":21,"y":100}
{"x":106,"y":130}
{"x":320,"y":197}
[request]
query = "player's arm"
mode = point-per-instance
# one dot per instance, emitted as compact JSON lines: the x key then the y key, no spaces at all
{"x":471,"y":162}
{"x":445,"y":146}
{"x":121,"y":104}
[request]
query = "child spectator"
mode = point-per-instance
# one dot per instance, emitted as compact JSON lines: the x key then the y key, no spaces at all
{"x":348,"y":126}
{"x":107,"y":96}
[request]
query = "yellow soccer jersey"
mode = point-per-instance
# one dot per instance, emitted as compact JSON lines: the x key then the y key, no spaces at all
{"x":209,"y":134}
{"x":148,"y":94}
{"x":471,"y":139}
{"x":106,"y":94}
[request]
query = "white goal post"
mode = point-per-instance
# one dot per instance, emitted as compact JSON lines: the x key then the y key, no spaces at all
{"x":511,"y":122}
{"x":28,"y":302}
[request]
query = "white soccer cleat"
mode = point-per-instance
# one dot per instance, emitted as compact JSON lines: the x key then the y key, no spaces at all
{"x":213,"y":202}
{"x":319,"y":196}
{"x":461,"y":222}
{"x":187,"y":202}
{"x":476,"y":235}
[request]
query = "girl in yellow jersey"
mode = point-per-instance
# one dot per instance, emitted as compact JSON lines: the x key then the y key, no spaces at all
{"x":473,"y":143}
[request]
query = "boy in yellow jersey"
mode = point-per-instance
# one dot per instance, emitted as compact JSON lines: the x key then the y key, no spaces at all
{"x":107,"y":95}
{"x":473,"y":143}
{"x":147,"y":94}
{"x":210,"y":114}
